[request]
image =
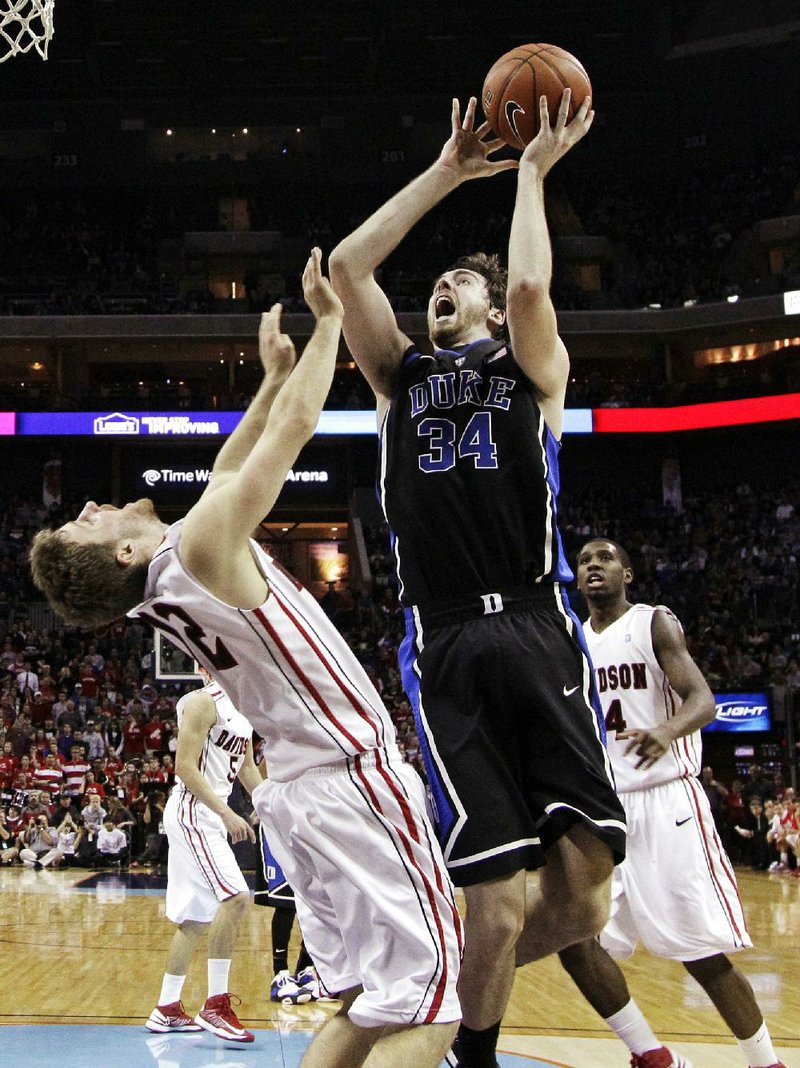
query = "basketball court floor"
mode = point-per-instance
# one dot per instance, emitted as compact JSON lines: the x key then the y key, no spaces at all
{"x":83,"y":954}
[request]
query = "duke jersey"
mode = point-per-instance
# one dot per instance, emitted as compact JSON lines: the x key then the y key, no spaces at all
{"x":469,"y":476}
{"x":225,"y":747}
{"x":636,"y":695}
{"x":284,"y":665}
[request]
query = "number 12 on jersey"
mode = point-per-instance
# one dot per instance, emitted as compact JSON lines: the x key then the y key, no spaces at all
{"x":475,"y":443}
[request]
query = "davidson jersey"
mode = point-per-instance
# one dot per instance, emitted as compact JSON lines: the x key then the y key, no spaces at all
{"x":635,"y":694}
{"x":469,"y":477}
{"x":226,"y":744}
{"x":284,"y":665}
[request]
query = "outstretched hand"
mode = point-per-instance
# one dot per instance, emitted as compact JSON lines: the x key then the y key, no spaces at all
{"x":465,"y":153}
{"x":275,"y":350}
{"x":646,"y":745}
{"x":553,"y":142}
{"x":317,"y":291}
{"x":238,"y":828}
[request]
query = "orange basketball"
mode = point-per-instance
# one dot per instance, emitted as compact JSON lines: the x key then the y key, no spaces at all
{"x":513,"y":86}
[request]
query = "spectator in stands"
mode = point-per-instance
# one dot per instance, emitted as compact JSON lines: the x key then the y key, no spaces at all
{"x":65,"y":851}
{"x":95,"y":742}
{"x":754,"y":831}
{"x":112,"y":844}
{"x":38,"y":839}
{"x":93,"y":814}
{"x":10,"y":841}
{"x":65,"y":806}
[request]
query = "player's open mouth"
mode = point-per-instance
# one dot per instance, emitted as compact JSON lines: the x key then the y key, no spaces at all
{"x":594,"y":580}
{"x":443,"y":306}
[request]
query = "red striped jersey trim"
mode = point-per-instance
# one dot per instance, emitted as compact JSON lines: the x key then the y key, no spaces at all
{"x":195,"y":838}
{"x":718,"y":866}
{"x":320,"y":701}
{"x":413,"y":832}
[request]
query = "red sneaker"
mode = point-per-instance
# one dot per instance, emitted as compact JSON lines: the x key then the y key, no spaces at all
{"x":218,"y":1017}
{"x":168,"y":1018}
{"x":659,"y":1058}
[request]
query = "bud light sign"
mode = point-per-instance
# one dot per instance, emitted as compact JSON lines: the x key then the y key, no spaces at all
{"x":741,"y":712}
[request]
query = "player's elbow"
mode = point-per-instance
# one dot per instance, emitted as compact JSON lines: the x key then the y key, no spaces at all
{"x":297,"y":421}
{"x":526,"y":291}
{"x":346,"y":267}
{"x":709,"y":711}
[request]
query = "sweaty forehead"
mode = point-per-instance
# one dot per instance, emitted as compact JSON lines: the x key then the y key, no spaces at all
{"x":598,"y":546}
{"x":459,"y":272}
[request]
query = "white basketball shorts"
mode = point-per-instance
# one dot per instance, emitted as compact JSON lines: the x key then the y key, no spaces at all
{"x":201,"y":869}
{"x":675,"y":891}
{"x":374,"y":901}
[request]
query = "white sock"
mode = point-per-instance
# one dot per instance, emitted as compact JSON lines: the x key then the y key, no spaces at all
{"x":218,"y":972}
{"x":630,"y":1025}
{"x":171,"y":987}
{"x":759,"y":1049}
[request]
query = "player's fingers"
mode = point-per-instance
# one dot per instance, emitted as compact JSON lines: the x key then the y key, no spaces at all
{"x":469,"y":115}
{"x":563,"y":108}
{"x":505,"y":164}
{"x":251,"y":834}
{"x":455,"y":115}
{"x":494,"y":144}
{"x":273,"y":317}
{"x":584,"y":109}
{"x":544,"y":114}
{"x":483,"y":129}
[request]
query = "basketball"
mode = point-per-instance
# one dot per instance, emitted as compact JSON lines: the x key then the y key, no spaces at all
{"x":512,"y":88}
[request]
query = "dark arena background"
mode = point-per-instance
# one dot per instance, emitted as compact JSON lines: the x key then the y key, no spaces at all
{"x":163,"y":174}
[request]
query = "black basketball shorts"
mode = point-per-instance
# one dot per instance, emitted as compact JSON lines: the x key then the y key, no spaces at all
{"x":510,"y":730}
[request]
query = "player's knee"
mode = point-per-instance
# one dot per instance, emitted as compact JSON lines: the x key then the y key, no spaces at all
{"x":574,"y":958}
{"x":709,"y":970}
{"x":584,"y":914}
{"x":494,"y":926}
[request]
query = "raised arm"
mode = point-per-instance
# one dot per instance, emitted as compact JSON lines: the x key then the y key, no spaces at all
{"x":216,"y":532}
{"x":685,"y":677}
{"x":531,"y":316}
{"x":370,"y":327}
{"x":199,"y":716}
{"x":277,"y":361}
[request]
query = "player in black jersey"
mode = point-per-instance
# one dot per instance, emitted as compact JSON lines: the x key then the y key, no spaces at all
{"x":493,"y":660}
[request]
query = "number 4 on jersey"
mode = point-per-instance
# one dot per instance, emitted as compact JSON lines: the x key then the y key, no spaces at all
{"x":615,"y":721}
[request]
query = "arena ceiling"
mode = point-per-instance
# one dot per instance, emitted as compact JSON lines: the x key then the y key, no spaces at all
{"x":155,"y":48}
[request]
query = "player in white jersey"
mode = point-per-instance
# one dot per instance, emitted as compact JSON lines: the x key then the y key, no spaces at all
{"x":206,"y":891}
{"x":655,"y":700}
{"x":344,"y":815}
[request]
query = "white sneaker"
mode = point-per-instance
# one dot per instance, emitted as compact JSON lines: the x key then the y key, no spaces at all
{"x":284,"y":988}
{"x":307,"y":979}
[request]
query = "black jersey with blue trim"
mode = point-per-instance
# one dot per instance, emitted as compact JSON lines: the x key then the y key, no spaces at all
{"x":469,"y":476}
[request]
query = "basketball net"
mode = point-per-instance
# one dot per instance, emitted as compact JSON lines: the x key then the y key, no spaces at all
{"x":25,"y":24}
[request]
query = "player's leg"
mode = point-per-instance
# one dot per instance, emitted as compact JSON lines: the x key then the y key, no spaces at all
{"x":493,"y":922}
{"x":169,"y":1014}
{"x":735,"y":1001}
{"x":412,"y":1047}
{"x":222,"y":932}
{"x":601,"y":981}
{"x":341,"y":1043}
{"x":572,"y":900}
{"x":216,"y":1015}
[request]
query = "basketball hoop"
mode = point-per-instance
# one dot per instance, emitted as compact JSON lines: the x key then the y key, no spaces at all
{"x":25,"y":24}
